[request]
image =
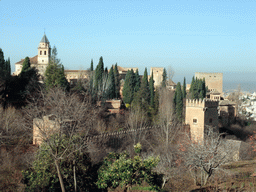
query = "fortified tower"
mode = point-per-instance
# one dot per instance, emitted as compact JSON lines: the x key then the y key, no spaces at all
{"x":157,"y":75}
{"x":214,"y":81}
{"x":199,"y":114}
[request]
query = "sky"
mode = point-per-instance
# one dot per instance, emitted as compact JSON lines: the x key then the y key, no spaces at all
{"x":187,"y":35}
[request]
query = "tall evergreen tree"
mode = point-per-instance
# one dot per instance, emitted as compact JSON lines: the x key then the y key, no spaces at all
{"x":164,"y":82}
{"x":25,"y":65}
{"x":91,"y":68}
{"x":178,"y":102}
{"x":192,"y":88}
{"x":142,"y":97}
{"x":145,"y":92}
{"x":128,"y":88}
{"x":184,"y":93}
{"x":2,"y":61}
{"x":117,"y":82}
{"x":197,"y":89}
{"x":99,"y":74}
{"x":54,"y":73}
{"x":152,"y":91}
{"x":106,"y":70}
{"x":111,"y":88}
{"x":5,"y":66}
{"x":204,"y":88}
{"x":137,"y":81}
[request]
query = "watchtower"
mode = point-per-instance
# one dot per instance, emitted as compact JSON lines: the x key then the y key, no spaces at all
{"x":199,"y":114}
{"x":214,"y":81}
{"x":157,"y":75}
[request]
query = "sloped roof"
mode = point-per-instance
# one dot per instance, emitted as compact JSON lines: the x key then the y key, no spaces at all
{"x":44,"y":39}
{"x":171,"y":83}
{"x":33,"y":60}
{"x":226,"y":102}
{"x":213,"y":92}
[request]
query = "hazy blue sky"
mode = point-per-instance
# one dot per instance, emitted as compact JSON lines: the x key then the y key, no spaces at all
{"x":188,"y":35}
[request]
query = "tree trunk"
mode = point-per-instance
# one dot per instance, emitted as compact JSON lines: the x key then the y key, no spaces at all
{"x":60,"y":177}
{"x":74,"y":170}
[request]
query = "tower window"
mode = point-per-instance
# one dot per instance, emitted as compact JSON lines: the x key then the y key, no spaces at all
{"x":194,"y":121}
{"x":40,"y":52}
{"x":44,"y":52}
{"x":42,"y":60}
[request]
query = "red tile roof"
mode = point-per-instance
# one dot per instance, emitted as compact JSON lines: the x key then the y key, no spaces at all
{"x":33,"y":60}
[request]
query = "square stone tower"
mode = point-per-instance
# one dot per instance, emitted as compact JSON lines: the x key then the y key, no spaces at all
{"x":214,"y":81}
{"x":199,"y":114}
{"x":157,"y":75}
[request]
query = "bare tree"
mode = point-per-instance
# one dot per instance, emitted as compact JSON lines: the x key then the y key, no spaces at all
{"x":166,"y":132}
{"x":12,"y":131}
{"x":67,"y":116}
{"x":204,"y":158}
{"x":170,"y":73}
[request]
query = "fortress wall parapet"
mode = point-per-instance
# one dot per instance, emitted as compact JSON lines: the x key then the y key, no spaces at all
{"x":201,"y":103}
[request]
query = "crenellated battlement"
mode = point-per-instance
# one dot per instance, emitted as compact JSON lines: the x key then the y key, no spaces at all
{"x":201,"y":103}
{"x":211,"y":103}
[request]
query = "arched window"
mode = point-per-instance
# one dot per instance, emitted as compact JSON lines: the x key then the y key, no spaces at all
{"x":40,"y":52}
{"x":44,"y":52}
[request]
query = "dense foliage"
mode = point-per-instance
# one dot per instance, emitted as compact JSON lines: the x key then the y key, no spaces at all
{"x":197,"y":89}
{"x":43,"y":174}
{"x":119,"y":169}
{"x":25,"y":65}
{"x":54,"y":74}
{"x":178,"y":102}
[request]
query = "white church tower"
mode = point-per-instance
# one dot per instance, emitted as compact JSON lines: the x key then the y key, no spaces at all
{"x":44,"y":53}
{"x":39,"y":61}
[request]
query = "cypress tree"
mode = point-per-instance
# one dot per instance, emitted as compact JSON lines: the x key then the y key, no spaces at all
{"x":106,"y":71}
{"x":99,"y":74}
{"x":156,"y":98}
{"x":204,"y":88}
{"x":91,"y":68}
{"x":179,"y":102}
{"x":142,"y":98}
{"x":117,"y":82}
{"x":25,"y":65}
{"x":5,"y":66}
{"x":8,"y":66}
{"x":184,"y":93}
{"x":137,"y":81}
{"x":152,"y":92}
{"x":54,"y":73}
{"x":192,"y":88}
{"x":111,"y":92}
{"x":2,"y":61}
{"x":197,"y":89}
{"x":164,"y":82}
{"x":145,"y":92}
{"x":128,"y":89}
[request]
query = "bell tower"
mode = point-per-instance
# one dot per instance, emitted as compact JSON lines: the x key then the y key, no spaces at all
{"x":44,"y":52}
